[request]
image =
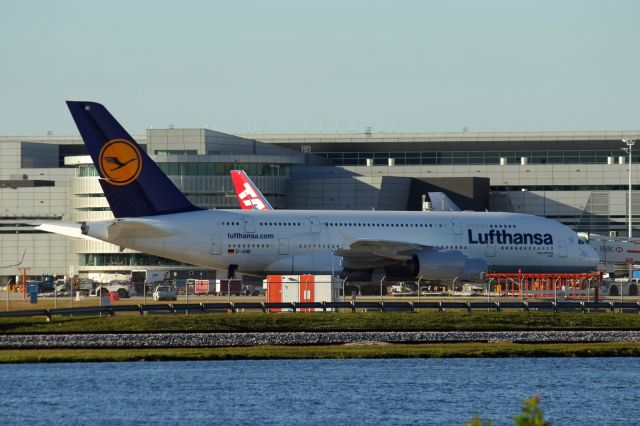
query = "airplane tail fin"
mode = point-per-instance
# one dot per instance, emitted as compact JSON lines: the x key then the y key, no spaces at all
{"x":133,"y":184}
{"x":249,"y":196}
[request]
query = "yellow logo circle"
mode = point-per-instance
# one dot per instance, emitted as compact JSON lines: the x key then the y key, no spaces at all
{"x":120,"y":162}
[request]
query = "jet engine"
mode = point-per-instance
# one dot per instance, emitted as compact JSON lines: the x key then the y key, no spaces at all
{"x":474,"y":269}
{"x":447,"y":265}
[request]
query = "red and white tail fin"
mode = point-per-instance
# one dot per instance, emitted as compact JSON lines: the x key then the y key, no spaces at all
{"x":249,"y":197}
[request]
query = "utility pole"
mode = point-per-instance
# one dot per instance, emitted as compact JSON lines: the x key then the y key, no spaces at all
{"x":630,"y":143}
{"x":629,"y":148}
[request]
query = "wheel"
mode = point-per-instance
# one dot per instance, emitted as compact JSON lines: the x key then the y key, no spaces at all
{"x":633,"y":290}
{"x":122,"y":293}
{"x":613,"y":291}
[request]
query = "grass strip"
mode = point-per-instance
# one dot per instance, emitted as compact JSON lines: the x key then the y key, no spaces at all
{"x":435,"y":350}
{"x":363,"y":321}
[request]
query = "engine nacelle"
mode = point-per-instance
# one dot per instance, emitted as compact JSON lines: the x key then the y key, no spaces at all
{"x":438,"y":265}
{"x":474,"y":269}
{"x":447,"y":265}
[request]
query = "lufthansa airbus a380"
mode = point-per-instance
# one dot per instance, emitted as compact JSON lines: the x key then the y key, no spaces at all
{"x":153,"y":216}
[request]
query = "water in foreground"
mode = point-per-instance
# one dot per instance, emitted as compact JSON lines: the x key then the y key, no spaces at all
{"x":395,"y":391}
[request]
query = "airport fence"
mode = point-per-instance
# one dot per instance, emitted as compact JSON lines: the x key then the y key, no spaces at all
{"x":355,"y":306}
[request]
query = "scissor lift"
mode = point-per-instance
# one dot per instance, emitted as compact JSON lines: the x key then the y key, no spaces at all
{"x":543,"y":285}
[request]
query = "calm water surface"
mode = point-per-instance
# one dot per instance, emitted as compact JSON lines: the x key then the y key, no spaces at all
{"x":591,"y":391}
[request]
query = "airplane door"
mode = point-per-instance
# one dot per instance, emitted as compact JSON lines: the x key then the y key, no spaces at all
{"x":249,"y":224}
{"x":315,"y":224}
{"x":562,"y":249}
{"x":216,"y":246}
{"x":490,"y":251}
{"x":284,"y":246}
{"x":456,"y":225}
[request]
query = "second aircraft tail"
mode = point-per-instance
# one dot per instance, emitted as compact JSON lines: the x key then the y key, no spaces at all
{"x":249,"y":196}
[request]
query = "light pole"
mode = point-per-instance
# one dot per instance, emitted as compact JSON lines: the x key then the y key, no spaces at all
{"x":629,"y":148}
{"x":175,"y":279}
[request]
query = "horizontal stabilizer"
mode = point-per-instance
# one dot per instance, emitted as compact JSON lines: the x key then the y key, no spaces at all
{"x":70,"y":229}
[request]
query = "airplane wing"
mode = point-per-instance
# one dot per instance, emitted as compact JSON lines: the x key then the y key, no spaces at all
{"x":70,"y":229}
{"x":442,"y":203}
{"x":376,"y":253}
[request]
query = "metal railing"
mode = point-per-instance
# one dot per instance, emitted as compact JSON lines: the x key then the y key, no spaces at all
{"x":355,"y":306}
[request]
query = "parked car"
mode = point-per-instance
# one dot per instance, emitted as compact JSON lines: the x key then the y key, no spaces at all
{"x":165,"y":292}
{"x":252,"y":290}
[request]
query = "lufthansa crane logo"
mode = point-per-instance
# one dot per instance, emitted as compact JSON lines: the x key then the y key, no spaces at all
{"x":120,"y":162}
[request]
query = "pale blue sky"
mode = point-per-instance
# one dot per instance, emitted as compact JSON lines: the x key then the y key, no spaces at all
{"x":289,"y":66}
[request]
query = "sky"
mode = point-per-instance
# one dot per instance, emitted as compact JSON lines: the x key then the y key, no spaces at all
{"x":322,"y":66}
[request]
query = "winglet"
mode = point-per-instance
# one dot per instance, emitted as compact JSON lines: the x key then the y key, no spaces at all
{"x":133,"y":184}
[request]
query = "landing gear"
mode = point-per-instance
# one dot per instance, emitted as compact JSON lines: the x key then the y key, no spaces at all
{"x":231,"y":271}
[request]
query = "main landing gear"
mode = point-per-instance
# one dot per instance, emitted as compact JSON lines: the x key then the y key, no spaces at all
{"x":231,"y":271}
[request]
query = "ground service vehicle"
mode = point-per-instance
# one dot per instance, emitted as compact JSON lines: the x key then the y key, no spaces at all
{"x":200,"y":286}
{"x":165,"y":292}
{"x":123,"y":289}
{"x":223,"y":287}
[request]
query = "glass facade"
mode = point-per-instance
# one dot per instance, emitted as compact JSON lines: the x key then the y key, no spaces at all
{"x":206,"y":169}
{"x":85,"y":170}
{"x":223,"y":169}
{"x":176,"y":152}
{"x":126,"y":259}
{"x":475,"y":157}
{"x":564,"y":187}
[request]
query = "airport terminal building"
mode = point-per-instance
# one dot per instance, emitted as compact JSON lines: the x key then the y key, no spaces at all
{"x":577,"y":178}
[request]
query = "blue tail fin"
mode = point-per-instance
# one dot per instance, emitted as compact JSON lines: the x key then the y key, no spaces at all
{"x":133,"y":184}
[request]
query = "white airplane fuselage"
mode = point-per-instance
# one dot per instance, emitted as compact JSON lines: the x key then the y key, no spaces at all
{"x":294,"y":241}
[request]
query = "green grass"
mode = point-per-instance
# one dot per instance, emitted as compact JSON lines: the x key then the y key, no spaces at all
{"x":435,"y":350}
{"x":259,"y":322}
